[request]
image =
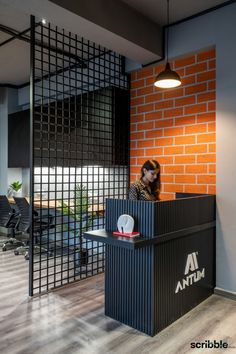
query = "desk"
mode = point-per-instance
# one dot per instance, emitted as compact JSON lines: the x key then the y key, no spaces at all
{"x":154,"y":279}
{"x":57,"y":204}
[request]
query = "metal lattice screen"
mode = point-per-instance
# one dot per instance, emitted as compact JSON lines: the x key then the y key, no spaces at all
{"x":80,"y":124}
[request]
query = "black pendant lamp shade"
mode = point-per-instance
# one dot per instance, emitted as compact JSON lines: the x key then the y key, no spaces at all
{"x":167,"y":78}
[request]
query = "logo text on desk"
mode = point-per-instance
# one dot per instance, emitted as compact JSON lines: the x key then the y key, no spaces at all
{"x":193,"y":277}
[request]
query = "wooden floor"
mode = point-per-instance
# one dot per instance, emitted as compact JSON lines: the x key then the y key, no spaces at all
{"x":71,"y":320}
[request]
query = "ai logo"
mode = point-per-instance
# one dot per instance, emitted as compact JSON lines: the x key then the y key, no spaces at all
{"x":191,"y":263}
{"x":191,"y":266}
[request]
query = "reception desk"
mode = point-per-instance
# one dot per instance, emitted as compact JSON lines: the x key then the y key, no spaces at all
{"x":155,"y":278}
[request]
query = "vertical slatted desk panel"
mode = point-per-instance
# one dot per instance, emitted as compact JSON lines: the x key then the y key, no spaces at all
{"x":154,"y":279}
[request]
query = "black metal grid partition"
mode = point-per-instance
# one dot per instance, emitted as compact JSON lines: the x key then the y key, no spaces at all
{"x":79,"y":128}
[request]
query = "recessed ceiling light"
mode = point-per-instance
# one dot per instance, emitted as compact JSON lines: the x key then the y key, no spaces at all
{"x":44,"y":21}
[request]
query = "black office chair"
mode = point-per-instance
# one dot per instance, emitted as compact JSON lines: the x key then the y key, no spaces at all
{"x":41,"y":224}
{"x":8,"y":219}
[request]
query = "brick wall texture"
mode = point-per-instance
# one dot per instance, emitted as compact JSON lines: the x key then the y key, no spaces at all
{"x":177,"y":126}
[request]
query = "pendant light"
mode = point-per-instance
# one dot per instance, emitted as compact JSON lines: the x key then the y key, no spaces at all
{"x":167,"y":78}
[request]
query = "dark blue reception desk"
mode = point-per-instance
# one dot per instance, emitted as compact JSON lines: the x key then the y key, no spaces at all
{"x":155,"y":278}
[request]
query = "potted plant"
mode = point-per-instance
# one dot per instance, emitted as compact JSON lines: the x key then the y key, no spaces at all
{"x":14,"y":188}
{"x":79,"y":220}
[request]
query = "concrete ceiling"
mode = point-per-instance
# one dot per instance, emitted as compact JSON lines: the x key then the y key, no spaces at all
{"x":155,"y":10}
{"x":132,"y":28}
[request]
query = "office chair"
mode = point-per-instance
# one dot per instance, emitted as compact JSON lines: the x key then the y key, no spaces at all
{"x":41,"y":224}
{"x":8,"y":219}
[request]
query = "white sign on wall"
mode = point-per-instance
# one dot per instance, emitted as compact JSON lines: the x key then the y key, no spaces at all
{"x":192,"y":273}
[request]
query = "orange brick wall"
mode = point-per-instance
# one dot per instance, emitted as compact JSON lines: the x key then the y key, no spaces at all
{"x":176,"y":126}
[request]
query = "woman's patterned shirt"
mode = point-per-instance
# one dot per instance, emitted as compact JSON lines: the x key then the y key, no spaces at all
{"x":139,"y":191}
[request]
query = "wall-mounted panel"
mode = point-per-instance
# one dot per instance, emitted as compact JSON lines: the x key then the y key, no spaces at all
{"x":18,"y":139}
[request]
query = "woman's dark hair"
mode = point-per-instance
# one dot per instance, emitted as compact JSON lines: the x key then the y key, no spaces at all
{"x":156,"y":185}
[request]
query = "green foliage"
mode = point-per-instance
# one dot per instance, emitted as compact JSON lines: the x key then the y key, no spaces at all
{"x":79,"y":211}
{"x":15,"y":186}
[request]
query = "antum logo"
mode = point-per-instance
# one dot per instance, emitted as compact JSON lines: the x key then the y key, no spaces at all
{"x":191,"y":263}
{"x":191,"y":266}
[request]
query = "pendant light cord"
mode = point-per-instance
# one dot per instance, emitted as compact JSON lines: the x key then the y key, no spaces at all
{"x":167,"y":78}
{"x":167,"y":30}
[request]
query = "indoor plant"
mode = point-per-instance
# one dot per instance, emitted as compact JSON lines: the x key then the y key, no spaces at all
{"x":14,"y":188}
{"x":79,"y":220}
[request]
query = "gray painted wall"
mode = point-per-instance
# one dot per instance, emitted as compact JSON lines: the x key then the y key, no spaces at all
{"x":218,"y":28}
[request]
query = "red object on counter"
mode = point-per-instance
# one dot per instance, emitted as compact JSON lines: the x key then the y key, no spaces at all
{"x":133,"y":234}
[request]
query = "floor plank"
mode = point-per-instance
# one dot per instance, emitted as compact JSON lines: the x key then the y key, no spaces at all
{"x":71,"y":320}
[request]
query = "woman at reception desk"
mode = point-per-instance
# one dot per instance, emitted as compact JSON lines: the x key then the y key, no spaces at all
{"x":149,"y":185}
{"x":155,"y":278}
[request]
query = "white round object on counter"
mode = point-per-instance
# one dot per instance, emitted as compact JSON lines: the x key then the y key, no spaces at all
{"x":125,"y":224}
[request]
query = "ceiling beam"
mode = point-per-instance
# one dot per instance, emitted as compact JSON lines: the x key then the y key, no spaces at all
{"x":128,"y":27}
